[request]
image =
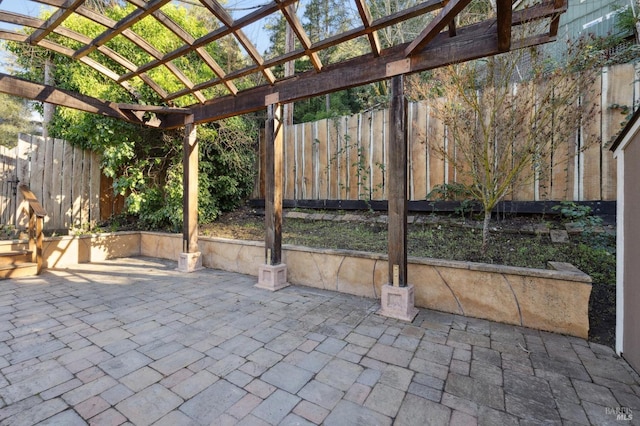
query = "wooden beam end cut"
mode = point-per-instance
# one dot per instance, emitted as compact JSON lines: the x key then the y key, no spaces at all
{"x":272,"y":99}
{"x":402,"y":66}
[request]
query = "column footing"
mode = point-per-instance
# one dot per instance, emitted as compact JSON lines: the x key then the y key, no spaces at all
{"x":398,"y":302}
{"x":189,"y":262}
{"x":272,"y":277}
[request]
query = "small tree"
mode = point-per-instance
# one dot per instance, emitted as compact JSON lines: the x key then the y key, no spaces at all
{"x":506,"y":115}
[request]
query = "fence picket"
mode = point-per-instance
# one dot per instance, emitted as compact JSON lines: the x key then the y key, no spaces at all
{"x":76,"y":188}
{"x":322,"y":158}
{"x":66,"y":179}
{"x":94,"y":189}
{"x":617,"y":99}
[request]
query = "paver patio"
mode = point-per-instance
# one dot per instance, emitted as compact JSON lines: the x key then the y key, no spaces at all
{"x":133,"y":341}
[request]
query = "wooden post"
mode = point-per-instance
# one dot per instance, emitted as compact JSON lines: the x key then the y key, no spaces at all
{"x":397,"y":299}
{"x":398,"y":205}
{"x":273,"y":184}
{"x":190,"y":259}
{"x":273,"y":275}
{"x":190,"y":189}
{"x":39,"y":237}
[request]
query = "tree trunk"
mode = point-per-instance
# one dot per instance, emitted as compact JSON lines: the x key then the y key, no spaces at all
{"x":485,"y":228}
{"x":48,"y":109}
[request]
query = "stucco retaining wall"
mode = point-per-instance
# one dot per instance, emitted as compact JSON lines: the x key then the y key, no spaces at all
{"x":554,"y":300}
{"x":64,"y":251}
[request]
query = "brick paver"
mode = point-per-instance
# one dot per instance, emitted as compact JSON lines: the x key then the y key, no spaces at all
{"x":133,"y":341}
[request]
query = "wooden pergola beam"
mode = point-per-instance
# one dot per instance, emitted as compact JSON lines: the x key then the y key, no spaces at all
{"x":209,"y":38}
{"x":292,"y":18}
{"x":43,"y":93}
{"x":224,"y":17}
{"x":472,"y":42}
{"x":27,"y":21}
{"x":133,"y":113}
{"x":376,"y":25}
{"x":555,"y":22}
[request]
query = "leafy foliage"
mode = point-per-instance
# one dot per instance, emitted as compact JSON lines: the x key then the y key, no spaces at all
{"x":450,"y":192}
{"x":145,"y":163}
{"x":627,"y":19}
{"x":14,"y":114}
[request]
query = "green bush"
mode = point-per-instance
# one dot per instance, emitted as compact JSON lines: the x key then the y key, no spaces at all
{"x":225,"y":177}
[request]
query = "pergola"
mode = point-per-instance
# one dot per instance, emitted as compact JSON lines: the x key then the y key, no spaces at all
{"x":441,"y":42}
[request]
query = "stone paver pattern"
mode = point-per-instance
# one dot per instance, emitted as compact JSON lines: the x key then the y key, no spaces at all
{"x":133,"y":341}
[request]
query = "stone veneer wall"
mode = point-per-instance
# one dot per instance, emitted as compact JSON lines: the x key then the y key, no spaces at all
{"x":552,"y":300}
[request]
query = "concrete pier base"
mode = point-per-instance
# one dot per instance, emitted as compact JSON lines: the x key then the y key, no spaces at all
{"x":398,"y":302}
{"x":190,"y":262}
{"x":272,"y":277}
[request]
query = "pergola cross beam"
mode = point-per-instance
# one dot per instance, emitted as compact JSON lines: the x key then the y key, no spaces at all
{"x":471,"y":42}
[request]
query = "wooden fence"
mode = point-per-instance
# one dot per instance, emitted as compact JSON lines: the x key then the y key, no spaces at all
{"x":65,"y":179}
{"x":345,"y":158}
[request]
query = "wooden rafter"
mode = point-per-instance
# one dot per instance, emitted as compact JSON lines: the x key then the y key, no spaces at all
{"x":555,"y":22}
{"x":444,"y":18}
{"x":142,"y":44}
{"x":452,"y":28}
{"x":292,"y":18}
{"x":504,"y":14}
{"x":54,"y":47}
{"x":432,"y":48}
{"x":108,"y":23}
{"x":124,"y":24}
{"x":376,"y":25}
{"x":154,"y":108}
{"x":472,"y":42}
{"x":546,"y":9}
{"x":189,"y":39}
{"x":18,"y":19}
{"x":224,"y":17}
{"x":365,"y":16}
{"x":56,"y":19}
{"x":212,"y":37}
{"x":266,"y":10}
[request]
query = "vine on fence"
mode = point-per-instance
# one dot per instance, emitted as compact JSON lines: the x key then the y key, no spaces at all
{"x":364,"y":172}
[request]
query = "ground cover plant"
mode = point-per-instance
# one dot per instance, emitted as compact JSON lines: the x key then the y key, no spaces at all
{"x":512,"y":242}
